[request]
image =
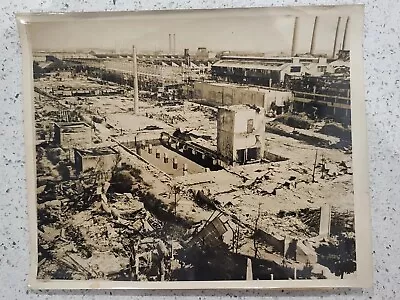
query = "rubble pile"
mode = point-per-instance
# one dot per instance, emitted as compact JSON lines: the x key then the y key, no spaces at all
{"x":170,"y":119}
{"x":305,"y":221}
{"x":208,"y":112}
{"x":331,"y":170}
{"x":269,"y":182}
{"x":145,"y":225}
{"x":84,"y":228}
{"x":337,"y":130}
{"x":342,"y":221}
{"x":295,"y":121}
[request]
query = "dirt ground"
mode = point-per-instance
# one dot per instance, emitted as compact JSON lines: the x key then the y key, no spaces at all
{"x":307,"y":176}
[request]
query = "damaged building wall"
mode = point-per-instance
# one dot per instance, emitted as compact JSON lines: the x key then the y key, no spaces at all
{"x":277,"y":97}
{"x":225,"y":132}
{"x":240,"y":133}
{"x":69,"y":135}
{"x":211,"y":234}
{"x":228,"y":94}
{"x":103,"y":162}
{"x":305,"y":254}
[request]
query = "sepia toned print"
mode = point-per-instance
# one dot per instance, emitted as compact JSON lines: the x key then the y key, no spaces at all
{"x":176,"y":150}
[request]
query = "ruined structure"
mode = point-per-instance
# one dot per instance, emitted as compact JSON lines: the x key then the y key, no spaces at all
{"x":241,"y":133}
{"x":101,"y":160}
{"x":72,"y":134}
{"x":233,"y":94}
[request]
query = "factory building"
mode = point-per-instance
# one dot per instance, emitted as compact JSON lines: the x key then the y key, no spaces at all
{"x":267,"y":71}
{"x":325,"y":95}
{"x":72,"y":134}
{"x":241,"y":133}
{"x":100,"y":160}
{"x":335,"y":85}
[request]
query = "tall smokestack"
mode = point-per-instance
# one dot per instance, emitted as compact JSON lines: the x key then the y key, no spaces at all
{"x":312,"y":47}
{"x":345,"y":34}
{"x":174,"y":51}
{"x":169,"y":44}
{"x":294,"y":40}
{"x":336,"y":37}
{"x":135,"y":82}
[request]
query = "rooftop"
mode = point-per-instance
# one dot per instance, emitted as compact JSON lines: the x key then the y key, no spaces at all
{"x":71,"y":124}
{"x":241,"y":107}
{"x":250,"y":65}
{"x":240,"y":86}
{"x":97,"y":151}
{"x":282,"y":59}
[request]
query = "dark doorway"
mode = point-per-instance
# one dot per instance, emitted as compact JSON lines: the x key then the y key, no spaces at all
{"x":240,"y":156}
{"x":253,"y":153}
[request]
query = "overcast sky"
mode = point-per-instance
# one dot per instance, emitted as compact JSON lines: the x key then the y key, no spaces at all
{"x":236,"y":30}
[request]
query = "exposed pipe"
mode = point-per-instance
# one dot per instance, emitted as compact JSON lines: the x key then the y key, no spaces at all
{"x":294,"y":40}
{"x":345,"y":33}
{"x":135,"y":82}
{"x":336,"y":37}
{"x":312,"y":46}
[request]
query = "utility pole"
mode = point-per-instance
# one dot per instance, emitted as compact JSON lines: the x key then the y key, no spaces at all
{"x":135,"y":82}
{"x":176,"y":191}
{"x":256,"y":229}
{"x":315,"y":164}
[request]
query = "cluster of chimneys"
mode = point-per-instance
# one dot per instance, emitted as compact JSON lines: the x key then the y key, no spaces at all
{"x":312,"y":45}
{"x":172,"y":43}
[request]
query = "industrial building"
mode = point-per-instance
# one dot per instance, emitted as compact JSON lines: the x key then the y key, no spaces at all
{"x":267,"y":71}
{"x":241,"y":133}
{"x":72,"y":134}
{"x":329,"y":95}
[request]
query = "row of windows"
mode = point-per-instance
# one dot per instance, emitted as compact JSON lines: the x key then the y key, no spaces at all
{"x":293,"y":69}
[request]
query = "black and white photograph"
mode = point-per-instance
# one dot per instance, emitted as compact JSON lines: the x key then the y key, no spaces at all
{"x":197,"y":146}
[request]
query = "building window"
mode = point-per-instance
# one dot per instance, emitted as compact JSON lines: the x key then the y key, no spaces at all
{"x":322,"y":69}
{"x":295,"y":69}
{"x":250,"y":127}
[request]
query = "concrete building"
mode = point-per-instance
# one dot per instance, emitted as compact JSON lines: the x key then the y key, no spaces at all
{"x":72,"y":134}
{"x":202,"y":53}
{"x":328,"y":96}
{"x":224,"y":94}
{"x":241,"y":133}
{"x":100,"y":160}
